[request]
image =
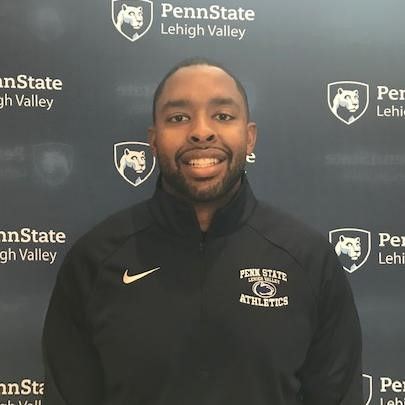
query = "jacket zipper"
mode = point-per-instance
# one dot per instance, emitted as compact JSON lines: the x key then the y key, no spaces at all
{"x":202,"y":246}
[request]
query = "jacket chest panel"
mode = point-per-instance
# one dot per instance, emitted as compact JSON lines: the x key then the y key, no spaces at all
{"x":194,"y":312}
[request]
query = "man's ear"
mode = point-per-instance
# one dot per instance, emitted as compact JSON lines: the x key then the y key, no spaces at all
{"x":251,"y":137}
{"x":152,"y":139}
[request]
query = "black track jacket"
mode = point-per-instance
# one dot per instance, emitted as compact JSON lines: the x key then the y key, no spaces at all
{"x":147,"y":310}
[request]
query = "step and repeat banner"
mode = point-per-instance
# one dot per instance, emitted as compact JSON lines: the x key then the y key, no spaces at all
{"x":326,"y":85}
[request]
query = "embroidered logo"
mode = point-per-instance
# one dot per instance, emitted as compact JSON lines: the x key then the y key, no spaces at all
{"x":127,"y":279}
{"x":265,"y":285}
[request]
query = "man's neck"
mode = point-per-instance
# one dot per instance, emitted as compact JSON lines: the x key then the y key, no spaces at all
{"x":205,"y":211}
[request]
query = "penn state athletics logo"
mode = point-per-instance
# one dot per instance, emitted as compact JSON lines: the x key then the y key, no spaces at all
{"x":132,"y":18}
{"x":367,"y":388}
{"x":267,"y":285}
{"x":348,"y":101}
{"x":134,"y":161}
{"x":264,"y":289}
{"x":352,"y":245}
{"x":53,"y":162}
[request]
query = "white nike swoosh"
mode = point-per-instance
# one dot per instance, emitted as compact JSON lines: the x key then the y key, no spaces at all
{"x":127,"y":279}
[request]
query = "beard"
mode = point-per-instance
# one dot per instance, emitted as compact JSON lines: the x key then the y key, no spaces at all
{"x":194,"y":193}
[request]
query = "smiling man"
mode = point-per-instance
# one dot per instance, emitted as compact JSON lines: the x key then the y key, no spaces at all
{"x":202,"y":295}
{"x":201,"y":136}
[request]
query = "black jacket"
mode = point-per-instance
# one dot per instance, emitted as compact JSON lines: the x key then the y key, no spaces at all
{"x":257,"y":311}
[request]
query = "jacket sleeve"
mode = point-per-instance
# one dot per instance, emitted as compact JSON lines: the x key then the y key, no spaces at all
{"x":331,"y":374}
{"x":73,"y":373}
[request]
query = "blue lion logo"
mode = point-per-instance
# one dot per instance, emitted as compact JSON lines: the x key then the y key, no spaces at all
{"x":264,"y":289}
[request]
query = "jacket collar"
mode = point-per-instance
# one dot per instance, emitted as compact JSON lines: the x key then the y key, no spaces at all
{"x":178,"y":216}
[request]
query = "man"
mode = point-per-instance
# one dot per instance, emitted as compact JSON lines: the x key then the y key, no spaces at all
{"x":202,"y":294}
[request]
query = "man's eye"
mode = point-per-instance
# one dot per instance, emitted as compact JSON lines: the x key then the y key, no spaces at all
{"x":178,"y":118}
{"x":223,"y":117}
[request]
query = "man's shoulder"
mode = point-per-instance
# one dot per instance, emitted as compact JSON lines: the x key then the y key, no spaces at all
{"x":84,"y":260}
{"x":113,"y":231}
{"x":289,"y":233}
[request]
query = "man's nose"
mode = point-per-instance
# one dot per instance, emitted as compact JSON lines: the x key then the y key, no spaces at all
{"x":202,"y":132}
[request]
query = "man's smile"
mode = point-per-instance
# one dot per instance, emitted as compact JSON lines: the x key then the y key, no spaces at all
{"x":203,"y":163}
{"x":200,"y":155}
{"x":203,"y":168}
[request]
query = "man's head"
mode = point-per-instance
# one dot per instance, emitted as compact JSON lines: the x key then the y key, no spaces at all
{"x":201,"y":133}
{"x":197,"y":62}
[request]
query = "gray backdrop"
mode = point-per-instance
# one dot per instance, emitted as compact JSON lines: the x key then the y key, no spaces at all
{"x":341,"y":171}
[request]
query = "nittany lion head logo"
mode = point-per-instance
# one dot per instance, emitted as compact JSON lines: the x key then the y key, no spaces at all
{"x":348,"y":246}
{"x":134,"y":161}
{"x":264,"y":289}
{"x":348,"y":101}
{"x":352,"y":245}
{"x":132,"y":18}
{"x":53,"y":162}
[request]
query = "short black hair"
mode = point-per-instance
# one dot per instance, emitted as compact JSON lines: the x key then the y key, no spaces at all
{"x":197,"y":62}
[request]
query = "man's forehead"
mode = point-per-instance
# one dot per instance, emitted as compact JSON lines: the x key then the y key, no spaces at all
{"x":195,"y":79}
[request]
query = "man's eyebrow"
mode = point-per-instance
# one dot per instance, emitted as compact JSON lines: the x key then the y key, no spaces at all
{"x":175,"y":103}
{"x":216,"y":101}
{"x":220,"y":101}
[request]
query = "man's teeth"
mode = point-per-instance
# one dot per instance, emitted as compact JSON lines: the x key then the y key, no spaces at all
{"x":203,"y":162}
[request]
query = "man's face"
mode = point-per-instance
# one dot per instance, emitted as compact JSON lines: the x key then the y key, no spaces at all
{"x":201,"y":134}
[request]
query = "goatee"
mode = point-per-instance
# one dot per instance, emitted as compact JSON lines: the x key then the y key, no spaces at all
{"x":178,"y":183}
